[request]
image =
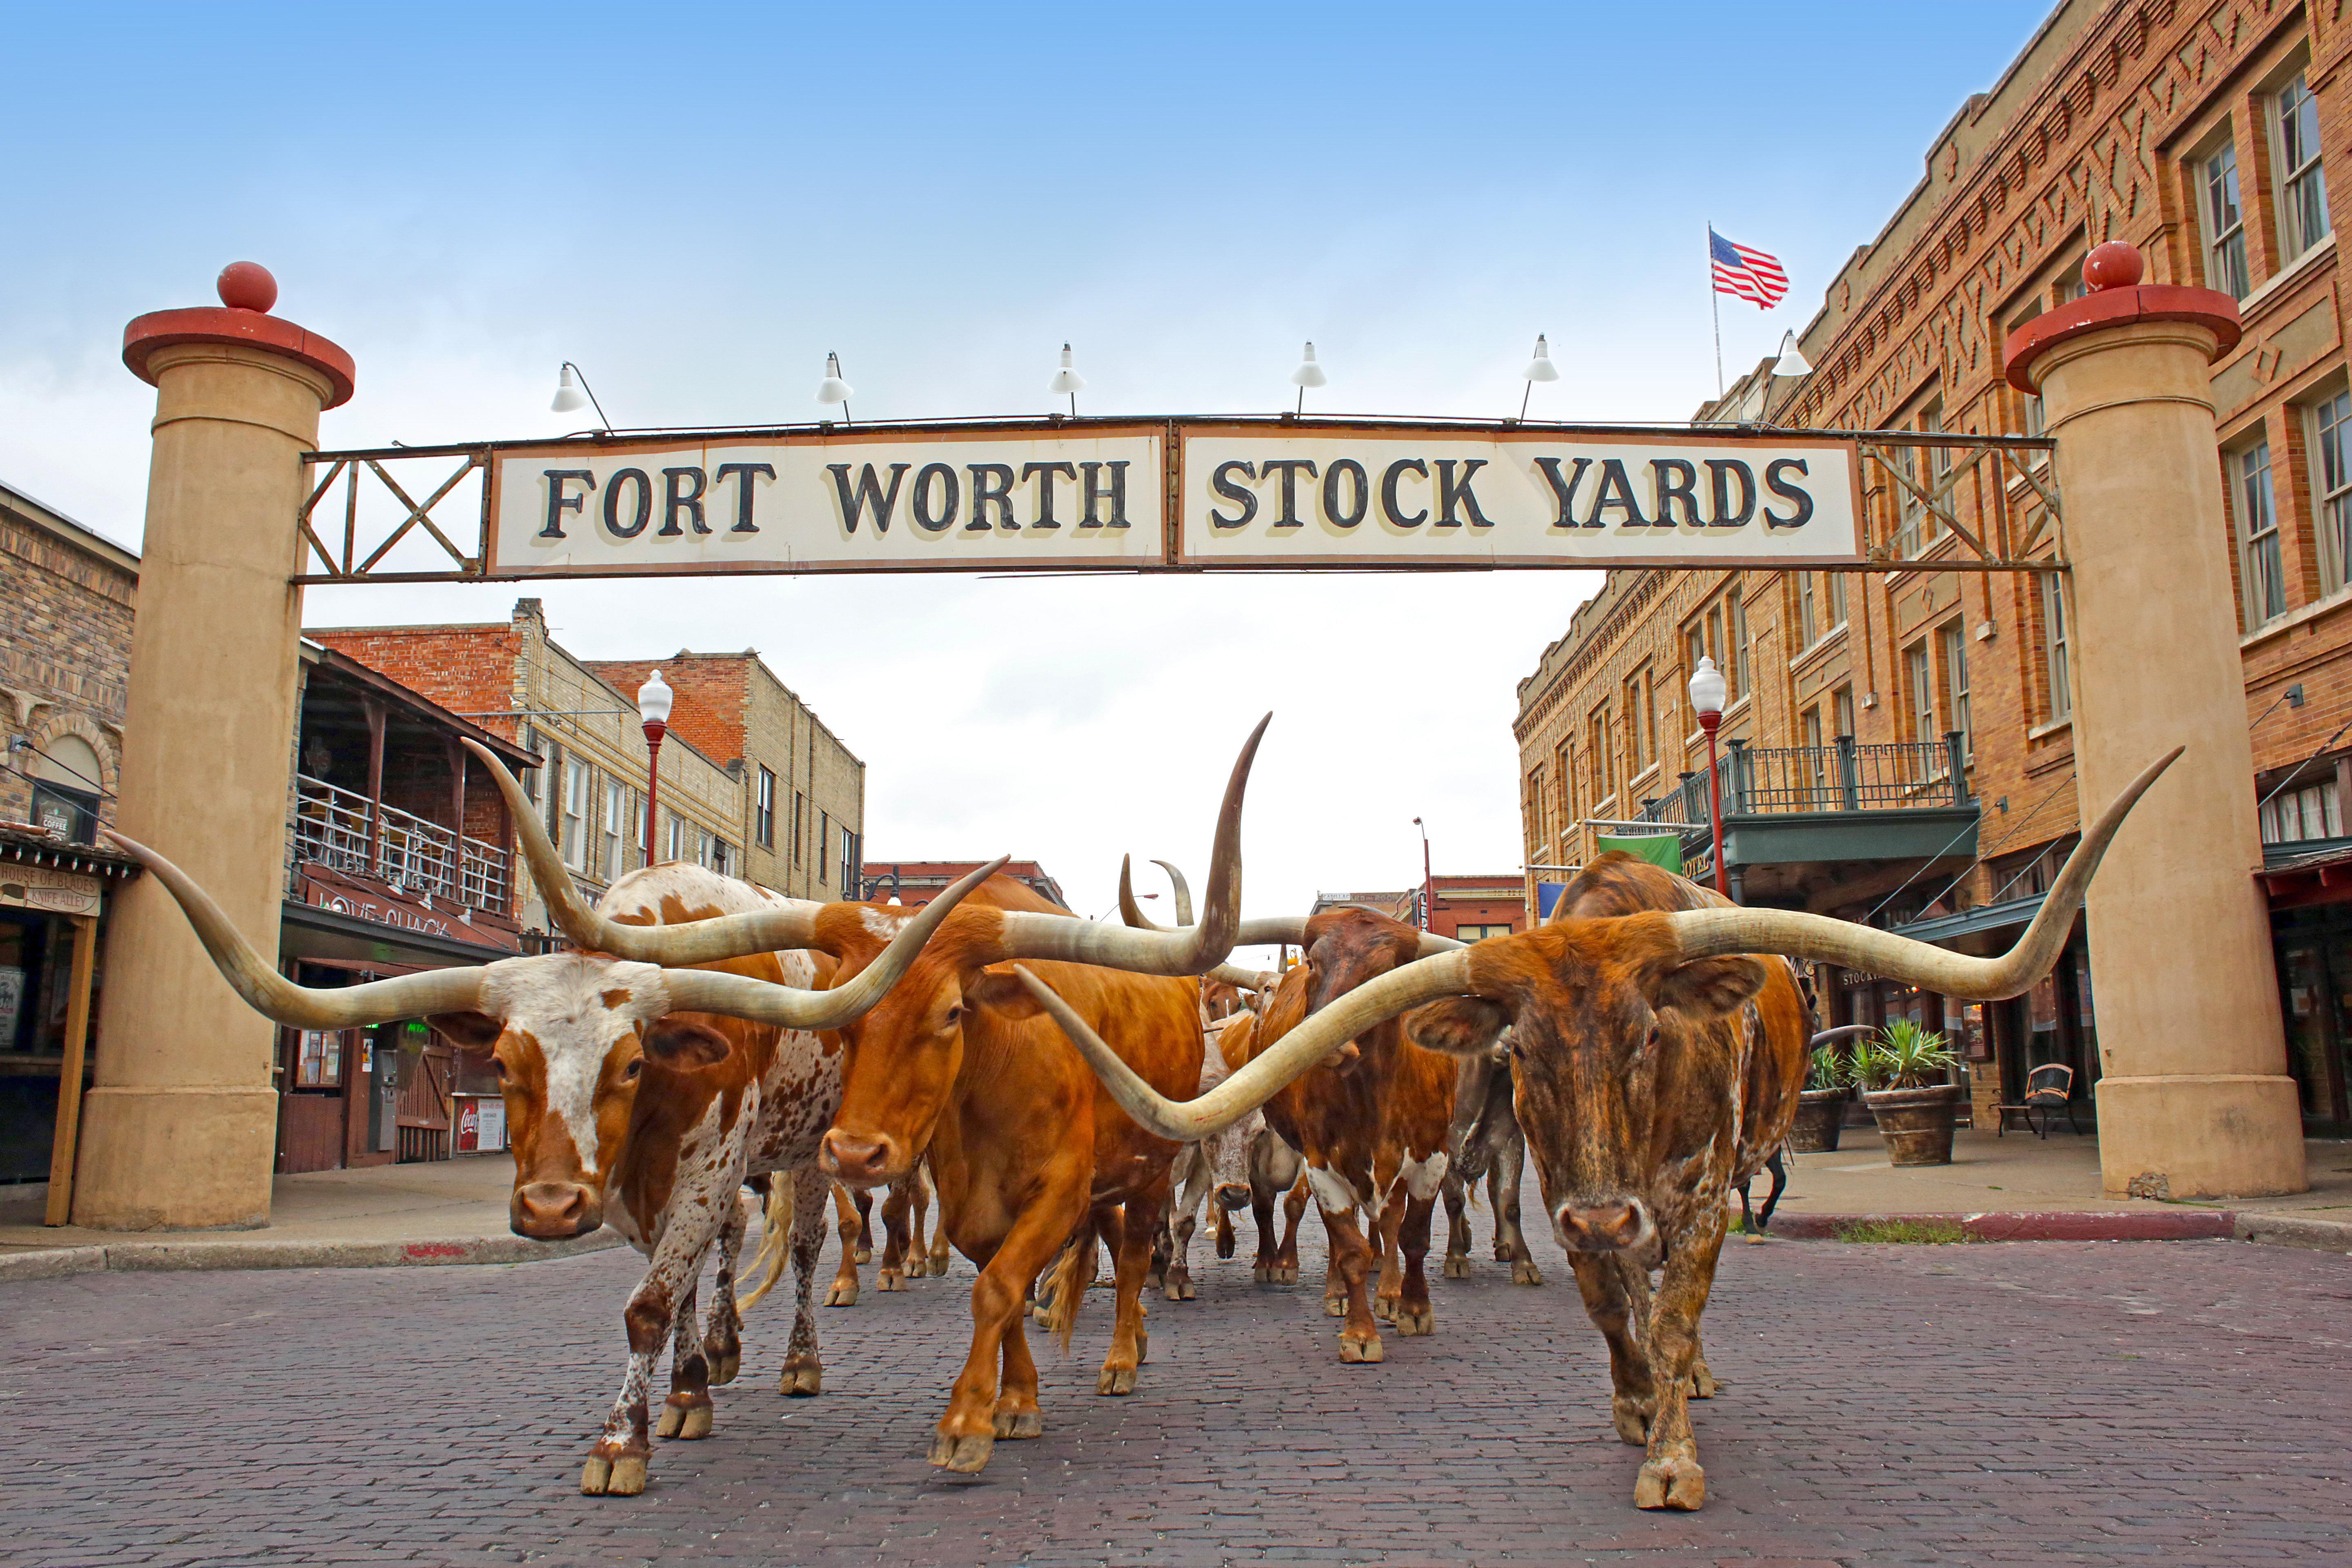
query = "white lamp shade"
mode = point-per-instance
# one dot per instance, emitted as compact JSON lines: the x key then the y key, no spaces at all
{"x":1791,"y":363}
{"x":833,"y":389}
{"x":1707,"y":687}
{"x":1308,"y":373}
{"x":1066,"y":379}
{"x":654,"y":698}
{"x":568,"y":396}
{"x":1540,"y":368}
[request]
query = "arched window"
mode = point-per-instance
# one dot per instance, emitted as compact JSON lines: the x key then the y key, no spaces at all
{"x":66,"y":788}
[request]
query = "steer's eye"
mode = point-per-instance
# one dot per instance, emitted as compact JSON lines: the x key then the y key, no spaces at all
{"x":953,"y":1015}
{"x":631,"y":1073}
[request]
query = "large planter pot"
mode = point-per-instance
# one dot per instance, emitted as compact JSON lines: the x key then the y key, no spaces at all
{"x":1821,"y":1117}
{"x":1916,"y":1122}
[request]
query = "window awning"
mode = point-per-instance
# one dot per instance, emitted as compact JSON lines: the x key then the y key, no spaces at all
{"x":1984,"y":917}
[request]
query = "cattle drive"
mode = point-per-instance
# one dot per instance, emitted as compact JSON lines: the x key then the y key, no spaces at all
{"x":1051,"y":1078}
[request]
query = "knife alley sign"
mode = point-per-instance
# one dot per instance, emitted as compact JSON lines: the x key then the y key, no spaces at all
{"x":1166,"y":495}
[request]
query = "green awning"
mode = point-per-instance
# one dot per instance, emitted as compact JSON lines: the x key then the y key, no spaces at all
{"x":1658,"y":848}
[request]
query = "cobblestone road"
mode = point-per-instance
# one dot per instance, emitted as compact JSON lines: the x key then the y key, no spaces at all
{"x":2154,"y":1402}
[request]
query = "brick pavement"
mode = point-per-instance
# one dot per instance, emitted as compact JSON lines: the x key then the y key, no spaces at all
{"x":2141,"y":1402}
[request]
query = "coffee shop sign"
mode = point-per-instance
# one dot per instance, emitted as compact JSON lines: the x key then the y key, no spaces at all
{"x":1171,"y":496}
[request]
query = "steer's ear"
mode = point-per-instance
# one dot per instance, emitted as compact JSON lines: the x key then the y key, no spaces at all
{"x":684,"y":1045}
{"x":476,"y":1032}
{"x":1458,"y":1026}
{"x":1001,"y":992}
{"x":1706,"y":987}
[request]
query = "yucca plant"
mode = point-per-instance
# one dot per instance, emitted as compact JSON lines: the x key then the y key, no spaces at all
{"x":1906,"y":1056}
{"x":1828,"y":1068}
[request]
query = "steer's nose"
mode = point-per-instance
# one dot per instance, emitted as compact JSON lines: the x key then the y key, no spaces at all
{"x":1233,"y":1194}
{"x":1603,"y":1227}
{"x":861,"y":1160}
{"x":553,"y":1211}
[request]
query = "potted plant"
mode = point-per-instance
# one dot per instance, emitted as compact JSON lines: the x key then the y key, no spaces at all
{"x":1907,"y":1084}
{"x":1820,"y":1104}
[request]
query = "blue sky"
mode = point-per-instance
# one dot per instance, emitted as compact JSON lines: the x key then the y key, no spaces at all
{"x":696,"y":203}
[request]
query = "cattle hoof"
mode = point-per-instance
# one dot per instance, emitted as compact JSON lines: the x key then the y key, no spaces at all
{"x":1178,"y":1289}
{"x":864,"y":1254}
{"x":1015,"y":1426}
{"x":725,"y":1364}
{"x":1115,"y":1380}
{"x":1456,"y":1267}
{"x":1335,"y":1306}
{"x":621,"y":1475}
{"x":1702,"y":1382}
{"x":1156,"y":1281}
{"x":1632,"y":1420}
{"x":1415,"y":1321}
{"x":939,"y":1262}
{"x":1526,"y":1273}
{"x":685,"y":1416}
{"x":1142,"y":1347}
{"x":1677,"y":1484}
{"x":802,"y":1379}
{"x":891,"y":1281}
{"x":843,"y":1294}
{"x":1284,"y":1274}
{"x":1355,"y":1351}
{"x":1262,"y":1273}
{"x":1384,"y":1308}
{"x":1225,"y":1247}
{"x":966,"y":1455}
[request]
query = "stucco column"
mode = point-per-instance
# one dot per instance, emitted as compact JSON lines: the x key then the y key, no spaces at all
{"x":2194,"y":1097}
{"x":179,"y":1128}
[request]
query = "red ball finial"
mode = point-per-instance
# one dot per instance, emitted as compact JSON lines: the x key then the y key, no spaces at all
{"x":248,"y":286}
{"x":2114,"y":265}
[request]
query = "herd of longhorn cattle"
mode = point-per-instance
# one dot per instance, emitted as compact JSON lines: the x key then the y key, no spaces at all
{"x":1062,"y":1086}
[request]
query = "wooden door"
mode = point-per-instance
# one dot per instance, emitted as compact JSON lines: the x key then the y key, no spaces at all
{"x":425,"y":1106}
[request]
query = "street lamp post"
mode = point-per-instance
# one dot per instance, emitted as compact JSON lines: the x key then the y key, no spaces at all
{"x":654,"y":698}
{"x":1707,"y":693}
{"x":1428,"y":886}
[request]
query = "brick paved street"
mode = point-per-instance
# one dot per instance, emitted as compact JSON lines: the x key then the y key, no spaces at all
{"x":2172,"y":1403}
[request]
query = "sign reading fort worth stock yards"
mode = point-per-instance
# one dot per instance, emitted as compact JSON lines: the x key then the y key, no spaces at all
{"x":1171,"y":495}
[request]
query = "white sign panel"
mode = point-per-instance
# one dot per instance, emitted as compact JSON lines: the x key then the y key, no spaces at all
{"x":839,"y":500}
{"x":1259,"y":497}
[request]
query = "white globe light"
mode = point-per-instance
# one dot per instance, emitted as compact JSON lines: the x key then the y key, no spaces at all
{"x":1707,"y":687}
{"x":654,"y":699}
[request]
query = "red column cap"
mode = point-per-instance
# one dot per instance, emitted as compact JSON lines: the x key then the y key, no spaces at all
{"x":247,"y":289}
{"x":2119,"y":299}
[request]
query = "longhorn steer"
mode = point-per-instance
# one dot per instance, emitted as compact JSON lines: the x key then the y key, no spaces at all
{"x":637,"y":1095}
{"x":1023,"y":1143}
{"x":1641,"y":1087}
{"x":1487,"y":1144}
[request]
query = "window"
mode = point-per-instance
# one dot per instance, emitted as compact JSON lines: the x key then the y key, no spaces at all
{"x":2060,"y":698}
{"x":577,"y":782}
{"x":848,"y":862}
{"x":763,"y":818}
{"x":616,"y":814}
{"x":1922,"y":695}
{"x":2332,"y":436}
{"x":800,"y":819}
{"x":1844,"y":707}
{"x":1739,"y":611}
{"x":1817,"y":757}
{"x":1834,"y":595}
{"x":530,"y":775}
{"x":1595,"y":750}
{"x":1640,"y":724}
{"x":823,"y":841}
{"x":1564,"y":803}
{"x":1479,"y":933}
{"x":320,"y":1064}
{"x":2261,"y":572}
{"x":723,"y":856}
{"x":1808,"y":622}
{"x":1956,"y":682}
{"x":2303,"y":188}
{"x":2311,"y":811}
{"x":2225,"y":225}
{"x":677,"y":850}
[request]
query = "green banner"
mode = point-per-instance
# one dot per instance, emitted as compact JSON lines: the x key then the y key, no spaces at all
{"x":1658,"y":848}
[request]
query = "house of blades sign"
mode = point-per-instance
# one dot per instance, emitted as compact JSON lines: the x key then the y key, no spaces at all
{"x":1169,"y":495}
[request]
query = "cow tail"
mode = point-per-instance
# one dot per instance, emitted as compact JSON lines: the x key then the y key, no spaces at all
{"x":775,"y":1241}
{"x":1074,"y":1276}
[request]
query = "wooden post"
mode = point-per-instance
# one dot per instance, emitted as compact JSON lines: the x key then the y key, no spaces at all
{"x":61,"y":1144}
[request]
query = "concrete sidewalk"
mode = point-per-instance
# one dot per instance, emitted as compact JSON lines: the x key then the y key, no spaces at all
{"x":447,"y":1211}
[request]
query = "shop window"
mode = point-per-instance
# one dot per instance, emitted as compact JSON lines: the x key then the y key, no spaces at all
{"x":2058,"y":696}
{"x":2225,"y":222}
{"x":1479,"y":933}
{"x":66,"y":789}
{"x":2331,"y":437}
{"x":2302,"y":185}
{"x":2260,"y":568}
{"x":319,"y":1062}
{"x":2309,"y":811}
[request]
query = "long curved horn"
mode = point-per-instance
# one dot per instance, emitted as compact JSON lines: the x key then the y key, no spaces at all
{"x":1189,"y":951}
{"x":1263,"y":1077}
{"x":1791,"y":934}
{"x":272,"y":996}
{"x":1843,"y":1032}
{"x":1183,"y":892}
{"x":788,"y":924}
{"x":1241,"y":979}
{"x":1271,"y":931}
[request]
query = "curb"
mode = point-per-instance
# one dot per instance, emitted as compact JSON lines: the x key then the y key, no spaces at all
{"x":2287,"y":1230}
{"x":2195,"y":1224}
{"x":161,"y":1257}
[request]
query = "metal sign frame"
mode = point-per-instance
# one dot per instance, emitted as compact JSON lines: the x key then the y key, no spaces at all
{"x":2025,"y":533}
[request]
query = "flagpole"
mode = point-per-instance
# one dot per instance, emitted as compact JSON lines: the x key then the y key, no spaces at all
{"x":1714,"y":308}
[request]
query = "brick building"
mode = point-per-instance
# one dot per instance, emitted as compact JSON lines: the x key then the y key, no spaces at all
{"x":1900,"y":743}
{"x":915,"y":883}
{"x":744,"y":763}
{"x":64,"y":652}
{"x":1468,"y":907}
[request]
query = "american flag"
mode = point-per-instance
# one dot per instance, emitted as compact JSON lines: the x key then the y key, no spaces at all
{"x":1750,"y":274}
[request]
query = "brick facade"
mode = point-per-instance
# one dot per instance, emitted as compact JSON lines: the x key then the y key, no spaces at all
{"x":65,"y":644}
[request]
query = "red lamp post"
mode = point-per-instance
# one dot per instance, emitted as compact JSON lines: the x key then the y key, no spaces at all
{"x":654,"y":699}
{"x":1428,"y":885}
{"x":1707,"y":691}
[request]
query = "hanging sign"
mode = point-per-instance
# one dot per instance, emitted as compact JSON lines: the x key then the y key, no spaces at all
{"x":1171,"y":495}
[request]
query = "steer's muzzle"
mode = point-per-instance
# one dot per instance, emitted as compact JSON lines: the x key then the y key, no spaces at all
{"x":1623,"y":1225}
{"x":860,"y":1159}
{"x":554,"y":1210}
{"x":1233,"y":1195}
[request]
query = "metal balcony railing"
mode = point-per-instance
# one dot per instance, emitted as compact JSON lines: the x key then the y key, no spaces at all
{"x":1847,"y":776}
{"x":331,"y":828}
